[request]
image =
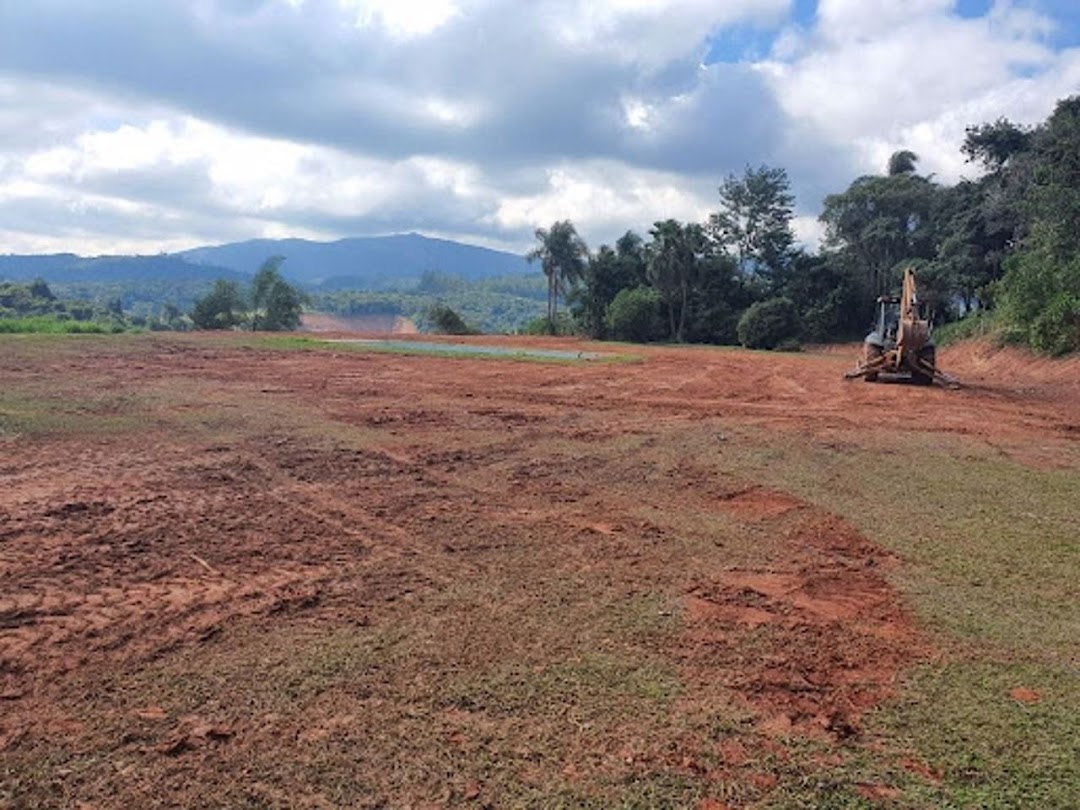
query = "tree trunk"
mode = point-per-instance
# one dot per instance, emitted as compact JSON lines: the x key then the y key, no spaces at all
{"x":551,"y":304}
{"x":682,"y":316}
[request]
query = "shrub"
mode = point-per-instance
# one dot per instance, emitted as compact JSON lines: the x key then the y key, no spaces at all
{"x":768,"y":324}
{"x":977,"y":324}
{"x":47,"y":324}
{"x":1056,"y":330}
{"x":445,"y":321}
{"x":635,"y":315}
{"x":222,"y":308}
{"x":564,"y":326}
{"x":1039,"y":298}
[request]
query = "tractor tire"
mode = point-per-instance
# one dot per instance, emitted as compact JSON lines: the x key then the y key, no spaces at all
{"x":871,"y":353}
{"x":928,"y":357}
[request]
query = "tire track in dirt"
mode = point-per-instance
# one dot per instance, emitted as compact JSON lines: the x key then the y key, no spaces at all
{"x":103,"y":574}
{"x":815,"y":639}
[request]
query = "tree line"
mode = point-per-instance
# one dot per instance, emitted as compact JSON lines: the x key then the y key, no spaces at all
{"x":33,"y":307}
{"x":1000,"y":253}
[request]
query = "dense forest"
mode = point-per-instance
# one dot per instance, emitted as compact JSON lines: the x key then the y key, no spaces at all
{"x":1000,"y":253}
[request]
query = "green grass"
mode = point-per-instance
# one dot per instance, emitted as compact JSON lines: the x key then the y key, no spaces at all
{"x":990,"y":750}
{"x":104,"y":414}
{"x":976,"y":325}
{"x":303,"y":343}
{"x":991,"y":565}
{"x":45,"y":324}
{"x":587,"y":688}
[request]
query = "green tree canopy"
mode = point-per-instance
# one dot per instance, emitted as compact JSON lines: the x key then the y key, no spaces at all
{"x":674,"y":262}
{"x":993,"y":145}
{"x":607,"y":272}
{"x":902,"y":162}
{"x":1040,"y":293}
{"x":221,"y":308}
{"x":880,"y":222}
{"x":276,"y":306}
{"x":754,"y":221}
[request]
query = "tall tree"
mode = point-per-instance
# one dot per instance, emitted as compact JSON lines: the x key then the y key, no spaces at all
{"x":718,"y":297}
{"x":879,"y":222}
{"x":562,"y":255}
{"x":972,"y":243}
{"x":1040,"y":292}
{"x":994,"y":145}
{"x":608,"y":272}
{"x":754,"y":221}
{"x":222,"y":308}
{"x":275,"y":305}
{"x":675,"y":258}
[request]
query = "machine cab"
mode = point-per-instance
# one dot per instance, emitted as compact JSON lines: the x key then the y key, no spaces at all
{"x":887,"y":324}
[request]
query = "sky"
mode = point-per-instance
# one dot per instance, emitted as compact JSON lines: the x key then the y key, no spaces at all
{"x":142,"y":126}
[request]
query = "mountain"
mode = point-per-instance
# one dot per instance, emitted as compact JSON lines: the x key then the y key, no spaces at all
{"x":67,"y":268}
{"x":357,"y":263}
{"x":363,"y":262}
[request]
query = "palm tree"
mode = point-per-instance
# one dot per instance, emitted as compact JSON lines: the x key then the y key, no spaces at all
{"x":902,"y":163}
{"x":562,"y":255}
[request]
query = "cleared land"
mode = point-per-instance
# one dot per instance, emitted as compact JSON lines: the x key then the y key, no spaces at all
{"x":246,"y":571}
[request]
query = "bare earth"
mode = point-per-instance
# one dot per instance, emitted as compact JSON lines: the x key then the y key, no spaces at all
{"x":232,"y":575}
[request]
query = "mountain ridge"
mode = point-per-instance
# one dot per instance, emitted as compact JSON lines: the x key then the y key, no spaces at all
{"x":365,"y":262}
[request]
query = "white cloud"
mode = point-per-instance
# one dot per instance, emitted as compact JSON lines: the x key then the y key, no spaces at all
{"x":809,"y":231}
{"x":911,"y":74}
{"x":403,"y":19}
{"x":476,"y":118}
{"x":604,"y":199}
{"x":652,"y":32}
{"x":848,"y":21}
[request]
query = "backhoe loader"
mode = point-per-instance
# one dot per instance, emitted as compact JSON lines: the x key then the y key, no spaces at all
{"x":901,"y":346}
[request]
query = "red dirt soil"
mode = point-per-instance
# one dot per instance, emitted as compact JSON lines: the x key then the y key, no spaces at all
{"x":118,"y":549}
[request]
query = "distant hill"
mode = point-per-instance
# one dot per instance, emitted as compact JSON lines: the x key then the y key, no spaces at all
{"x":360,"y":263}
{"x":334,"y":273}
{"x":67,"y":268}
{"x":363,"y":262}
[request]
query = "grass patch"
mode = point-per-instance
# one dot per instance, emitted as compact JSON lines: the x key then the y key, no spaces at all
{"x":976,"y":325}
{"x":586,"y":689}
{"x":45,"y":324}
{"x":990,"y":544}
{"x":37,"y":416}
{"x":989,"y":749}
{"x":428,"y":349}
